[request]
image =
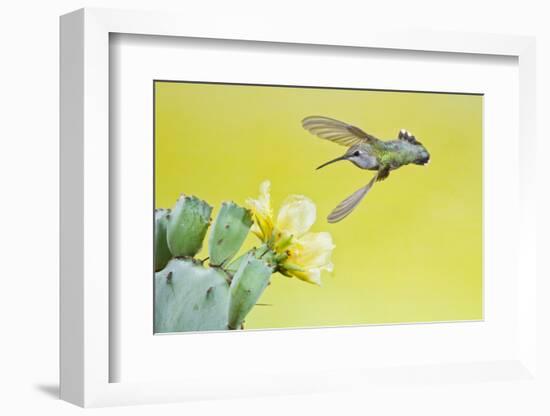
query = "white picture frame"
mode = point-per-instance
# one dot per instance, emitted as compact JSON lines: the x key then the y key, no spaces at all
{"x":86,"y":356}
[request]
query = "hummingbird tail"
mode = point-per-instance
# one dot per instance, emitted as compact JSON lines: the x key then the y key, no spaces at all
{"x":345,"y":207}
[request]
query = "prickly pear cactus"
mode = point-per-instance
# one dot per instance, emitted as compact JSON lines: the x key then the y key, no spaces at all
{"x":191,"y":294}
{"x":162,"y":252}
{"x":228,"y":233}
{"x":187,"y":225}
{"x":190,"y":297}
{"x":249,"y":282}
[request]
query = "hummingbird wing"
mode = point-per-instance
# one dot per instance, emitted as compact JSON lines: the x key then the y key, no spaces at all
{"x":337,"y":131}
{"x":345,"y":207}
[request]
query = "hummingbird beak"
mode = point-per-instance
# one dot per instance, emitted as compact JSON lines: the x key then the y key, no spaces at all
{"x":332,"y":161}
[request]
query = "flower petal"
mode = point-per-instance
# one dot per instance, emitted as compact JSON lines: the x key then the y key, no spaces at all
{"x":312,"y":254}
{"x":314,"y":250}
{"x":263,"y":213}
{"x":297,"y":215}
{"x":310,"y":276}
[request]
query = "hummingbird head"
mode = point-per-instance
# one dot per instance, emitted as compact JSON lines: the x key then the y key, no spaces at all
{"x":417,"y":153}
{"x":422,"y":156}
{"x":358,"y":156}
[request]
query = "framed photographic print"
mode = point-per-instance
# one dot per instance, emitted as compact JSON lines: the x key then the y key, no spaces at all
{"x":333,"y":202}
{"x":245,"y":136}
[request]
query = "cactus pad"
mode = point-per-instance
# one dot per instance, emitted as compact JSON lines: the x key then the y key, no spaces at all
{"x":249,"y":282}
{"x":190,"y":297}
{"x":187,"y":226}
{"x":162,"y":252}
{"x":228,"y":232}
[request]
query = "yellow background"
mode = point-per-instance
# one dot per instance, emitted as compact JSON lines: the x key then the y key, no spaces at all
{"x":412,"y":250}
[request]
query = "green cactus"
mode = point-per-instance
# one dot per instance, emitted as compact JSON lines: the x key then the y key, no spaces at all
{"x":248,"y":283}
{"x":191,"y":295}
{"x":187,"y":226}
{"x":162,"y":252}
{"x":228,"y":232}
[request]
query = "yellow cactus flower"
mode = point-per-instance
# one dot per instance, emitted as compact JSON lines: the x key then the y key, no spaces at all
{"x":302,"y":254}
{"x":263,"y":214}
{"x":297,"y":215}
{"x":311,"y":254}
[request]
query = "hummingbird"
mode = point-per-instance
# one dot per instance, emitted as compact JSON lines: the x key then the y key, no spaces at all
{"x":366,"y":152}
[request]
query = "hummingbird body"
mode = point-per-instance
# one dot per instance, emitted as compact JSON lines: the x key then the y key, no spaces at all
{"x":366,"y":152}
{"x":392,"y":154}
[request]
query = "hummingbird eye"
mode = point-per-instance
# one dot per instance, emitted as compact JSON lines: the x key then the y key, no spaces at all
{"x":356,"y":153}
